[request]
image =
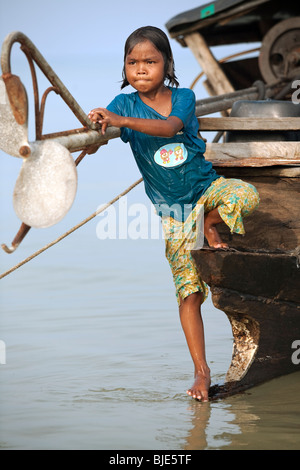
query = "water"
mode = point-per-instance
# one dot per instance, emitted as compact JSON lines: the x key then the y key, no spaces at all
{"x":96,"y":359}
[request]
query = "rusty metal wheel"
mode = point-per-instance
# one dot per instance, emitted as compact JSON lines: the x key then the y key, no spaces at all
{"x":280,"y":51}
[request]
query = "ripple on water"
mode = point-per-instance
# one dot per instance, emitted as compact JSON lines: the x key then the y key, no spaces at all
{"x":126,"y":395}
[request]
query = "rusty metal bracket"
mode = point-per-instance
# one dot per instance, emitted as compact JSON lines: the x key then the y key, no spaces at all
{"x":33,"y":54}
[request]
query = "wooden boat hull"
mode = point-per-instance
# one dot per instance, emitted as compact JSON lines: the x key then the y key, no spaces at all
{"x":257,"y":283}
{"x":274,"y":276}
{"x":259,"y":292}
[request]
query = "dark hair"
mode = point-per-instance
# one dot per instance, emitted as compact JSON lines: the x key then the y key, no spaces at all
{"x":160,"y":40}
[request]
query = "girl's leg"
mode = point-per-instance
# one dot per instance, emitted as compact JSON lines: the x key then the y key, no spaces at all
{"x":229,"y":201}
{"x":191,"y":291}
{"x":192,"y":324}
{"x":211,"y":219}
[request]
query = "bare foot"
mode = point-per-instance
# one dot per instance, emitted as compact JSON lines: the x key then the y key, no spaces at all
{"x":213,"y":238}
{"x":211,"y":219}
{"x":199,"y":389}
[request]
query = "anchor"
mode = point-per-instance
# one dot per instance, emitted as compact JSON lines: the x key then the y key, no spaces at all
{"x":47,"y":183}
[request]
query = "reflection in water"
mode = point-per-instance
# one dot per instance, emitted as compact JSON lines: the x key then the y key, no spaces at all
{"x":259,"y":419}
{"x":215,"y":425}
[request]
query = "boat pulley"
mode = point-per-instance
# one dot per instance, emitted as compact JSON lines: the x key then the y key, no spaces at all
{"x":280,"y":51}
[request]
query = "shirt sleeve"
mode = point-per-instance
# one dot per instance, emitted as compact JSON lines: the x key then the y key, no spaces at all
{"x":184,"y":105}
{"x":118,"y":106}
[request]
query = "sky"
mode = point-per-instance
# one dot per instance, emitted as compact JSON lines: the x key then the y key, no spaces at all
{"x":73,"y":27}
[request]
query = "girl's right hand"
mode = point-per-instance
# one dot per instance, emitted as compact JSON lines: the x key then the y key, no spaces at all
{"x":105,"y":118}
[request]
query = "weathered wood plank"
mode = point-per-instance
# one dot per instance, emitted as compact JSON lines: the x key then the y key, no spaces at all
{"x":218,"y":80}
{"x":276,"y":171}
{"x":220,"y":270}
{"x":249,"y":124}
{"x":253,"y":154}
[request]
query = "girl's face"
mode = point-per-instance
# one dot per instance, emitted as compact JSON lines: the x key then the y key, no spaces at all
{"x":145,"y":68}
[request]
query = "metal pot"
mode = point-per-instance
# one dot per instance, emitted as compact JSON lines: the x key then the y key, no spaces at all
{"x":266,"y":108}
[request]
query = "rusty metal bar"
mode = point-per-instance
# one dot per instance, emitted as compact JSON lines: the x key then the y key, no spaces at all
{"x":23,"y":230}
{"x":223,"y":102}
{"x":40,"y":117}
{"x":82,"y":140}
{"x":38,"y":129}
{"x":46,"y":69}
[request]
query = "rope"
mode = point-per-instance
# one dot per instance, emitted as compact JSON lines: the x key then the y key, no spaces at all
{"x":76,"y":227}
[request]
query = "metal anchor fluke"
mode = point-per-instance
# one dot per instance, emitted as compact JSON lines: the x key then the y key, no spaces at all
{"x":24,"y":229}
{"x":46,"y":186}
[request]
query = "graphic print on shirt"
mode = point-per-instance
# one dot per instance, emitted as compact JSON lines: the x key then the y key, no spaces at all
{"x":171,"y":155}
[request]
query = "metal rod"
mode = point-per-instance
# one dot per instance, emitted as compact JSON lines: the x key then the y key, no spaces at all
{"x":82,"y":140}
{"x":38,"y":128}
{"x":46,"y":69}
{"x":224,"y":102}
{"x":24,"y":229}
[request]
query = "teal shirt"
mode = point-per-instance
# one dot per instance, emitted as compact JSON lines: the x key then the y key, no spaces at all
{"x":174,"y":169}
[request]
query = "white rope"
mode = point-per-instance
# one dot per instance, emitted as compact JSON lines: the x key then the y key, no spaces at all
{"x":76,"y":227}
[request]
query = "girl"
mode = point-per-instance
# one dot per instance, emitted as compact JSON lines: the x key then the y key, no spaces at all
{"x":160,"y":116}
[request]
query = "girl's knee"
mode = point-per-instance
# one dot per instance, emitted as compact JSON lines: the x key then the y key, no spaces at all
{"x":192,"y":300}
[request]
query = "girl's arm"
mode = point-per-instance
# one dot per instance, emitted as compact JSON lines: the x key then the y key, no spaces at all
{"x":155,"y":127}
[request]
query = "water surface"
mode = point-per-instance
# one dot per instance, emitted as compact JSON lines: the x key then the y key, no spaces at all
{"x":96,"y":359}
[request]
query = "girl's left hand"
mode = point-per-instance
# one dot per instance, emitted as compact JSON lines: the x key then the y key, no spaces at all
{"x":105,"y":118}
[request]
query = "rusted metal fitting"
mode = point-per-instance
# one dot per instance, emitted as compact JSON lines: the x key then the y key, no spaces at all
{"x":25,"y":151}
{"x":17,"y":97}
{"x":24,"y":229}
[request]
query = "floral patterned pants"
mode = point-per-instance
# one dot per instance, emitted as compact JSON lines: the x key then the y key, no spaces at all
{"x":234,"y":199}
